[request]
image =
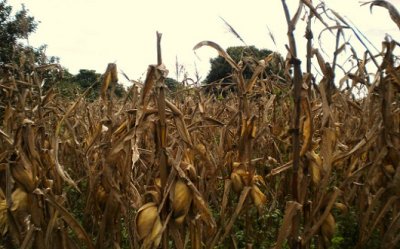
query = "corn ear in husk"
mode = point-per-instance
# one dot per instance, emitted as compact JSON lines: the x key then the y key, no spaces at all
{"x":148,"y":225}
{"x":181,"y":200}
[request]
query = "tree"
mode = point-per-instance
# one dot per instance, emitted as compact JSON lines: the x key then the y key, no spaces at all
{"x":85,"y":78}
{"x":172,"y":84}
{"x":72,"y":85}
{"x":13,"y":28}
{"x":221,"y":69}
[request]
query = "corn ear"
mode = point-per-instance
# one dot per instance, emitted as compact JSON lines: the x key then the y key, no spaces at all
{"x":342,"y":207}
{"x":201,"y":149}
{"x":236,"y":164}
{"x":148,"y":225}
{"x":237,"y":182}
{"x":258,"y":197}
{"x":157,"y":182}
{"x":101,"y":195}
{"x":20,"y":200}
{"x":181,"y":200}
{"x":253,"y":131}
{"x":389,"y":169}
{"x":3,"y":217}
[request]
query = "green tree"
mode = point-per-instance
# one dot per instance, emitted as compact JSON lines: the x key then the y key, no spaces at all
{"x":172,"y":84}
{"x":85,"y":78}
{"x":221,"y":69}
{"x":12,"y":29}
{"x":70,"y":86}
{"x":66,"y":86}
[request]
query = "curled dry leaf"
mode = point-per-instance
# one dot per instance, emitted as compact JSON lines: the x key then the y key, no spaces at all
{"x":394,"y":14}
{"x":307,"y":126}
{"x":315,"y":170}
{"x":220,"y":51}
{"x":291,"y":210}
{"x":109,"y":77}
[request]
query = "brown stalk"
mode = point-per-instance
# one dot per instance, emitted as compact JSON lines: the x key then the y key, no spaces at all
{"x":162,"y":119}
{"x":297,"y":83}
{"x":162,"y":135}
{"x":335,"y":54}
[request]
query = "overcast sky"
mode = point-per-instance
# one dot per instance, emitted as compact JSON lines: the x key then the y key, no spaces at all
{"x":88,"y":34}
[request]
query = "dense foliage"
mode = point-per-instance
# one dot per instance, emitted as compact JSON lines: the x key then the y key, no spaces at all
{"x":221,"y":70}
{"x":16,"y":55}
{"x":13,"y":28}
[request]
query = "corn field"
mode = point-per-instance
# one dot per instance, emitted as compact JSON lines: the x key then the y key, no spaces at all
{"x":157,"y":169}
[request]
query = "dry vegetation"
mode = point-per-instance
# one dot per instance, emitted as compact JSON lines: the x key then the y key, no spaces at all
{"x":193,"y":171}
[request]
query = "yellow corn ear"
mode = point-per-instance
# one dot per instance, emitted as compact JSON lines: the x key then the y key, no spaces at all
{"x":342,"y":207}
{"x":101,"y":195}
{"x":3,"y":217}
{"x":20,"y":200}
{"x":389,"y":169}
{"x":148,"y":225}
{"x":201,"y":149}
{"x":258,"y":197}
{"x":181,"y":200}
{"x":236,"y":164}
{"x":237,"y":182}
{"x":254,"y":131}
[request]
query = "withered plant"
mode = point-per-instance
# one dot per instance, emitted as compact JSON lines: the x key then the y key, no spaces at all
{"x":197,"y":171}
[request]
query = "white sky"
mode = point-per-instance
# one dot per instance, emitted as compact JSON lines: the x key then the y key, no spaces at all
{"x":88,"y":34}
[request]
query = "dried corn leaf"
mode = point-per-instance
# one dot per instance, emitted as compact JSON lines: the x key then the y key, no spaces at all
{"x":307,"y":126}
{"x":182,"y":130}
{"x":220,"y":51}
{"x":110,"y":76}
{"x":327,"y":148}
{"x":257,"y":71}
{"x":59,"y":168}
{"x":291,"y":210}
{"x":394,"y":14}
